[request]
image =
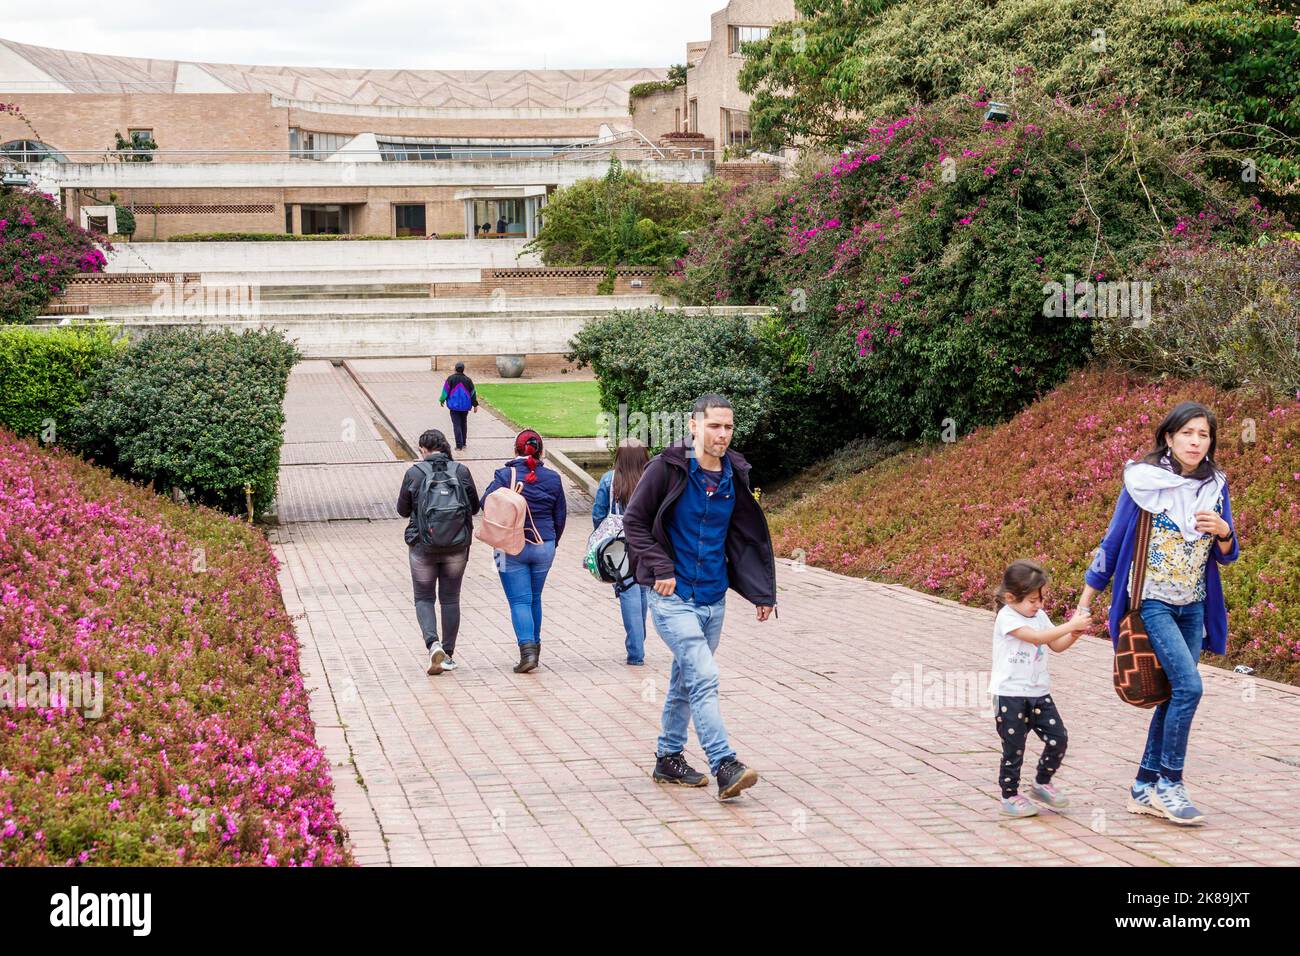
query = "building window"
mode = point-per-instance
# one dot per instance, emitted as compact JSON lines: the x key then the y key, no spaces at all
{"x":500,"y":219}
{"x":305,"y":144}
{"x":735,"y":128}
{"x":409,"y":220}
{"x":31,"y":151}
{"x":324,"y":220}
{"x":695,"y":116}
{"x":140,"y":137}
{"x":738,"y":36}
{"x":408,"y":149}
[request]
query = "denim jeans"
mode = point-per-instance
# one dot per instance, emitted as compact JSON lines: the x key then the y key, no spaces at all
{"x":523,"y":576}
{"x":632,"y":604}
{"x":437,"y":578}
{"x":691,"y":632}
{"x":1176,"y":633}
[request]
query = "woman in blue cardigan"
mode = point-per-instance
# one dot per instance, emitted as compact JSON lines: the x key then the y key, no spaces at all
{"x":1182,"y":597}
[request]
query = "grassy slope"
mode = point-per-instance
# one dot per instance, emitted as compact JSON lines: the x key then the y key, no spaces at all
{"x":947,"y":519}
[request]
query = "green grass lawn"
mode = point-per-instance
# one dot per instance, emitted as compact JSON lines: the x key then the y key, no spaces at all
{"x":554,"y":409}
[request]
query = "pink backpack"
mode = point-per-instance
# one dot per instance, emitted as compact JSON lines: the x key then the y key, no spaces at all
{"x":504,"y":514}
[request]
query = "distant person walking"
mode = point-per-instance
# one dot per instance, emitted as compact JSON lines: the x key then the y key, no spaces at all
{"x":439,"y":498}
{"x":523,"y":575}
{"x":501,"y":226}
{"x":612,"y":496}
{"x":1181,"y":486}
{"x":459,"y":396}
{"x":693,"y":529}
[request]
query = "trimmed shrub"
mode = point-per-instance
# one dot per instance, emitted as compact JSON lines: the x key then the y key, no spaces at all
{"x":657,"y":362}
{"x":949,"y":518}
{"x":197,"y":411}
{"x":189,"y":741}
{"x":39,"y":251}
{"x":44,"y":375}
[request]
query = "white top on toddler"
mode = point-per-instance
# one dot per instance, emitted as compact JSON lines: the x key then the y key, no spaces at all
{"x":1019,"y":668}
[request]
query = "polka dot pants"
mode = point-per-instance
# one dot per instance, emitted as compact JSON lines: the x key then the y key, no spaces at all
{"x":1016,"y":717}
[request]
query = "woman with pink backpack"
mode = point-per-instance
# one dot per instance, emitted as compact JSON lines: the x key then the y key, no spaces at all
{"x":541,"y":518}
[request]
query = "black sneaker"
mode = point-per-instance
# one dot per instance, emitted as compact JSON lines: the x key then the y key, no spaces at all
{"x":733,"y":777}
{"x":674,"y":769}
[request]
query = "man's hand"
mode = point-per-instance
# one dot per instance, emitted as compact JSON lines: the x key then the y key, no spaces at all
{"x":764,"y":613}
{"x":476,"y":409}
{"x":666,"y":587}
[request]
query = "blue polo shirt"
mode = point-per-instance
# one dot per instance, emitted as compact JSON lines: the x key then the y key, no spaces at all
{"x":698,"y":531}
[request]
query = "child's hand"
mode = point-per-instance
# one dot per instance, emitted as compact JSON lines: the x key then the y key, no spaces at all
{"x":1081,"y":621}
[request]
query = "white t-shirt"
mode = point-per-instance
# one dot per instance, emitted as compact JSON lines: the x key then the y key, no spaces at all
{"x":1019,"y":668}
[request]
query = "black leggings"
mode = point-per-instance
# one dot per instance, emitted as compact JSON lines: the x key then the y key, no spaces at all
{"x":1016,"y":717}
{"x":438,"y":576}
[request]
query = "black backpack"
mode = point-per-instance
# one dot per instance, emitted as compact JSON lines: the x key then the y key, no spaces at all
{"x":441,"y":507}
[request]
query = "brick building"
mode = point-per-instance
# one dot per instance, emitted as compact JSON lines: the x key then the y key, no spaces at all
{"x":227,"y":148}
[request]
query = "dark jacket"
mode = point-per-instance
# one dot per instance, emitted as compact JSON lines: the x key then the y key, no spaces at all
{"x":411,"y":485}
{"x":545,"y":498}
{"x":751,"y":563}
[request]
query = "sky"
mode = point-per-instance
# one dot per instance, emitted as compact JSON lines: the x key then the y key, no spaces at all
{"x":388,"y":34}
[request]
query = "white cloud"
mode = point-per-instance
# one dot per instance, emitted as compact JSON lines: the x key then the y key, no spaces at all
{"x":418,"y":34}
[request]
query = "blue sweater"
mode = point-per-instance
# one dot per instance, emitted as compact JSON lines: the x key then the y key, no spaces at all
{"x":545,"y":498}
{"x":1115,"y":558}
{"x":698,"y":532}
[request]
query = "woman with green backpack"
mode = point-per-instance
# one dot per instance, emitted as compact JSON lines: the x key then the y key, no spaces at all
{"x":439,"y":498}
{"x":612,"y":495}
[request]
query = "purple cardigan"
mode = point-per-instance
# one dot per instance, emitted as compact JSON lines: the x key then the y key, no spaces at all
{"x":1115,"y":557}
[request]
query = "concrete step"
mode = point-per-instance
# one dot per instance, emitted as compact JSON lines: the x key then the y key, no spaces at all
{"x":373,"y":290}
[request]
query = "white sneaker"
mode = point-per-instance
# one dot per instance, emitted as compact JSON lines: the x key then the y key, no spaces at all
{"x":436,"y":658}
{"x":449,"y":665}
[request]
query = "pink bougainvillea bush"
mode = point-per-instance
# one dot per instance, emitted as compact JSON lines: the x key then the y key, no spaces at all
{"x":948,"y":518}
{"x":152,"y":709}
{"x":40,"y":249}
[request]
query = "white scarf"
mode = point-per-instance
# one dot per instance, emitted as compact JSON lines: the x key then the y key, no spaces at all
{"x":1159,"y":490}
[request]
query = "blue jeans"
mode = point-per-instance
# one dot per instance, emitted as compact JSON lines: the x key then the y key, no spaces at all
{"x":691,"y":632}
{"x":523,"y":576}
{"x":633,"y":605}
{"x":1177,"y":633}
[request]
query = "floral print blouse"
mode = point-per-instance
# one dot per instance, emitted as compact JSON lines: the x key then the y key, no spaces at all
{"x":1175,"y":566}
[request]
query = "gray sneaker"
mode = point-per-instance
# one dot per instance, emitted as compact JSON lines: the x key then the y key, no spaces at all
{"x":1177,"y":806}
{"x":1018,"y":806}
{"x":1048,"y":794}
{"x":436,"y":658}
{"x":1141,"y":799}
{"x":449,"y":665}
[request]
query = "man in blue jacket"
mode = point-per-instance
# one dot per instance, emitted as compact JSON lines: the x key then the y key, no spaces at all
{"x":693,"y":530}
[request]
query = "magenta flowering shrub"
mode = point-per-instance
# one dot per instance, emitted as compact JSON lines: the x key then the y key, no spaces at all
{"x":202,"y":751}
{"x":39,"y":250}
{"x":914,"y":266}
{"x":949,"y":518}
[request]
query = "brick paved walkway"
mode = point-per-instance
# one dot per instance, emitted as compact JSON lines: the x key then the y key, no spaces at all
{"x":486,"y":766}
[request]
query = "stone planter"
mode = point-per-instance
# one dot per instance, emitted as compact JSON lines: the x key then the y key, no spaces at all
{"x":510,"y":366}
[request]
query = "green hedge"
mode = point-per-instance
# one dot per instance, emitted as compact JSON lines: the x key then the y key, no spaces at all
{"x":198,"y":411}
{"x":44,"y":373}
{"x":289,"y":237}
{"x":656,"y":362}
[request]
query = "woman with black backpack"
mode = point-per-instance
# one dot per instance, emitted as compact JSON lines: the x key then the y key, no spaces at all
{"x":612,"y":495}
{"x":439,"y":498}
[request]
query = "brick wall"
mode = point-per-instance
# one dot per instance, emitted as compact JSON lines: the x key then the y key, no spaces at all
{"x":748,"y":172}
{"x":114,"y":289}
